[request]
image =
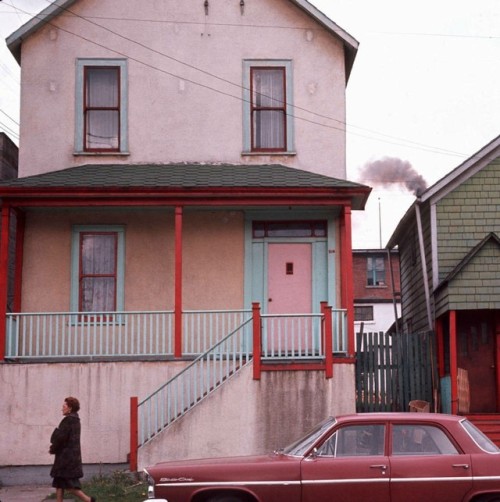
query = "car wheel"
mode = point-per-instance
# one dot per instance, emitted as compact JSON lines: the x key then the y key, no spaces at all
{"x":490,"y":498}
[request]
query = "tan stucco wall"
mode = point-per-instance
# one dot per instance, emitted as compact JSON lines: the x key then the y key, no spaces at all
{"x":213,"y":257}
{"x":179,"y":113}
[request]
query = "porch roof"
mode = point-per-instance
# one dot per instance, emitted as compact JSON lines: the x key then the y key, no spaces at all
{"x":248,"y":183}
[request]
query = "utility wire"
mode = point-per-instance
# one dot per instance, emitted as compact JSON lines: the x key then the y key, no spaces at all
{"x":240,"y":87}
{"x":398,"y":141}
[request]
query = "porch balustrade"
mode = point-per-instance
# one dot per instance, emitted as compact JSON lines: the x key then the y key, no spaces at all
{"x":152,"y":334}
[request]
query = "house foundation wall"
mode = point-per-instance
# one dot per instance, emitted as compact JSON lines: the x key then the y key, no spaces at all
{"x":244,"y":416}
{"x":247,"y":416}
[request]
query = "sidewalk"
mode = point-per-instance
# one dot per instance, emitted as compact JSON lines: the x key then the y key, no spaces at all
{"x":25,"y":493}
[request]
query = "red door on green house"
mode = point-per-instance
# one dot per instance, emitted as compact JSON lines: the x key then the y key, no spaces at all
{"x":477,"y":349}
{"x":289,"y":292}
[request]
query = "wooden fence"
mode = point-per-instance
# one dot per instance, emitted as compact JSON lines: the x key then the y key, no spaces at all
{"x":394,"y":369}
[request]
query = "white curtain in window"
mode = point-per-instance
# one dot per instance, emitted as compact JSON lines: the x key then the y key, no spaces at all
{"x":98,"y":272}
{"x":268,"y":108}
{"x":102,"y":104}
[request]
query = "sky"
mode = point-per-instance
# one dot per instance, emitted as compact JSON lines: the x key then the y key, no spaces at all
{"x":423,"y":95}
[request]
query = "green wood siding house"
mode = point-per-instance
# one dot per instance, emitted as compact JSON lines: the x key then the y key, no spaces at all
{"x":449,"y":245}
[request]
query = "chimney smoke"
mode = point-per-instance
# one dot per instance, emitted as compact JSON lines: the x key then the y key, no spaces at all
{"x":390,"y":170}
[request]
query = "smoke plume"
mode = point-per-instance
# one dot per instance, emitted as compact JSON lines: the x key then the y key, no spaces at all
{"x":389,"y":170}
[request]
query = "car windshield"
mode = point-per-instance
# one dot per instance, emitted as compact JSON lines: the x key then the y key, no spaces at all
{"x":304,"y":444}
{"x":479,"y":438}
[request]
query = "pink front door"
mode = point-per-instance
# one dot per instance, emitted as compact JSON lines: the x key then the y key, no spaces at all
{"x":289,"y":293}
{"x":290,"y":278}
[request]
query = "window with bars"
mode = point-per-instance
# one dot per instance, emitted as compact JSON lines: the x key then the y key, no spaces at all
{"x":363,"y":313}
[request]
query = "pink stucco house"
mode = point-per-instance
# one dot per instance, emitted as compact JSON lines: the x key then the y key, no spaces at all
{"x":184,"y":261}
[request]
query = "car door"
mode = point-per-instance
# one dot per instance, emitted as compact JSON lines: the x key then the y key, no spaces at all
{"x":350,"y":465}
{"x":426,"y":465}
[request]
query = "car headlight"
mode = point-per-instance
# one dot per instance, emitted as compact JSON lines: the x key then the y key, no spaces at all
{"x":151,"y":485}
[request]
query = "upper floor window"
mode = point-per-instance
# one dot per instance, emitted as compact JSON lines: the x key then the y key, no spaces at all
{"x":268,"y":108}
{"x":97,"y":269}
{"x":375,"y":271}
{"x":101,"y":106}
{"x":268,"y":125}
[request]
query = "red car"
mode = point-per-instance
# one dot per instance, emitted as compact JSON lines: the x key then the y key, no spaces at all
{"x":375,"y":457}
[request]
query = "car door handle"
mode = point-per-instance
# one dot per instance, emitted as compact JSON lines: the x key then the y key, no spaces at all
{"x":463,"y":466}
{"x":382,"y":467}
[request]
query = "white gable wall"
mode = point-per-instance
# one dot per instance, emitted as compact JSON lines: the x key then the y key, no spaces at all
{"x":176,"y":113}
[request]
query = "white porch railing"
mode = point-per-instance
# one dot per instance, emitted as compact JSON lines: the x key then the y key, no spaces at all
{"x":299,"y":336}
{"x":202,"y":329}
{"x":90,"y":334}
{"x":144,"y":334}
{"x":204,"y":375}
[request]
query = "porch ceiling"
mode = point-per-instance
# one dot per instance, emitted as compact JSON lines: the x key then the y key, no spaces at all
{"x":163,"y":184}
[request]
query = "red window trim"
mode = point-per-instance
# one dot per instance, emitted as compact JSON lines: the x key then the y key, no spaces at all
{"x":82,"y":276}
{"x":254,"y":108}
{"x":103,"y":108}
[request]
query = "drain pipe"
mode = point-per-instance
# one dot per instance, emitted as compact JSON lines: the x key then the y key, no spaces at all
{"x":424,"y":266}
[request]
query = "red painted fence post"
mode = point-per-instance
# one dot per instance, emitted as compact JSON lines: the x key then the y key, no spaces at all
{"x":134,"y":433}
{"x":328,"y":342}
{"x":257,"y":340}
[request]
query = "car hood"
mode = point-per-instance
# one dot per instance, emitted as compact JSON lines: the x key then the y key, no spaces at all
{"x":245,"y":468}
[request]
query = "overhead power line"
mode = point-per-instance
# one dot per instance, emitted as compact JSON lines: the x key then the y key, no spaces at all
{"x":342,"y":125}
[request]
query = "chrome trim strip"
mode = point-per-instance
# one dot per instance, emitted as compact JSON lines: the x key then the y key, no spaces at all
{"x":233,"y":483}
{"x":345,"y":481}
{"x":432,"y":480}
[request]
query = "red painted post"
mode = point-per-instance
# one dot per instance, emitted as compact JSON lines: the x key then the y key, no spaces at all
{"x":257,"y":340}
{"x":4,"y":276}
{"x":348,"y":277}
{"x":134,"y":433}
{"x":178,"y":284}
{"x":328,"y":342}
{"x":18,"y":274}
{"x":440,"y":347}
{"x":453,"y":362}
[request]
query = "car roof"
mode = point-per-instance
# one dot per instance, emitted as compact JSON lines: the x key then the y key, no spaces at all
{"x":399,"y":416}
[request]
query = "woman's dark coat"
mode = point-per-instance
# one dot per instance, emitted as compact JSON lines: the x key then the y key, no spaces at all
{"x":65,"y":444}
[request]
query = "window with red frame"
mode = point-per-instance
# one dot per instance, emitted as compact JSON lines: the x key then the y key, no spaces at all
{"x":98,"y":271}
{"x":102,"y":108}
{"x":268,"y":108}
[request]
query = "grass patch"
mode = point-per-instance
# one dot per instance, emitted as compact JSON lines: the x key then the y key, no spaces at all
{"x":120,"y":486}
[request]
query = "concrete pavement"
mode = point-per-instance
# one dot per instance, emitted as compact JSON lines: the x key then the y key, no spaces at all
{"x":26,"y":493}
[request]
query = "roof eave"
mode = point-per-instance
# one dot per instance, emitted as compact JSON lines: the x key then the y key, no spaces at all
{"x":16,"y":39}
{"x":37,"y":196}
{"x":350,"y":43}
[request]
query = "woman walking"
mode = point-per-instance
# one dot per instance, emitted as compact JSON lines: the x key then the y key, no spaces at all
{"x":65,"y":445}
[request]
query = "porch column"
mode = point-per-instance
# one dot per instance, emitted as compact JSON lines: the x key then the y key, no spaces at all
{"x":453,"y":361}
{"x":440,"y":347}
{"x":346,"y":270}
{"x":178,"y":284}
{"x":4,"y":275}
{"x":18,"y":273}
